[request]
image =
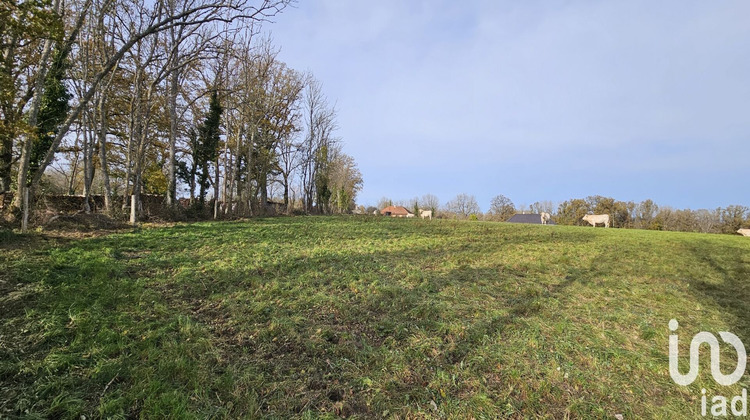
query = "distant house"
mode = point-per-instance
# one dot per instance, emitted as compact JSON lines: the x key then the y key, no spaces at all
{"x":396,"y":211}
{"x":534,"y":219}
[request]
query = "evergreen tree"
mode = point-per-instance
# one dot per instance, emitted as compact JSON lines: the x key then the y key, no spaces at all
{"x":208,"y":143}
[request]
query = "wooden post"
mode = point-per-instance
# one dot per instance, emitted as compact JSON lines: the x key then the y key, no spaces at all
{"x":132,"y":210}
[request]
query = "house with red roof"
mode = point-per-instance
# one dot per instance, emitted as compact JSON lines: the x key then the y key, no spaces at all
{"x":396,"y":211}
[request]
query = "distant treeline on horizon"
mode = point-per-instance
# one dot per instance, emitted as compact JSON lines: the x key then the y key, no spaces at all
{"x":624,"y":214}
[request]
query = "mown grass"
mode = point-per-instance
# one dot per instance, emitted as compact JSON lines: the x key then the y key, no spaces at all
{"x":366,"y":317}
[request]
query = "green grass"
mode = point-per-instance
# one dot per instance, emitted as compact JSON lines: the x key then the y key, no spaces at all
{"x":315,"y":317}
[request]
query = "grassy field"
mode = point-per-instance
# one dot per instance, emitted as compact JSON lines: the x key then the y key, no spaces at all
{"x":367,"y":317}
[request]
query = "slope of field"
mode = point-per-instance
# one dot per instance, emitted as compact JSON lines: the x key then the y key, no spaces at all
{"x":367,"y":317}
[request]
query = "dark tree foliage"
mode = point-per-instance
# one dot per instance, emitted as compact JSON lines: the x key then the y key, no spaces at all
{"x":732,"y":218}
{"x":265,"y":162}
{"x":322,"y":180}
{"x":20,"y":23}
{"x":207,"y":149}
{"x":572,"y":211}
{"x":501,"y":208}
{"x":53,"y":111}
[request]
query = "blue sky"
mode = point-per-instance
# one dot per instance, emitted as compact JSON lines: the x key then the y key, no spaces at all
{"x":535,"y":100}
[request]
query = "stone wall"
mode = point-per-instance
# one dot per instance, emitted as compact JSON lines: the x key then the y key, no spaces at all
{"x":152,"y":204}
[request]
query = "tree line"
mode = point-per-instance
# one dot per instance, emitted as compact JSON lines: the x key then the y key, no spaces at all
{"x":623,"y":214}
{"x":648,"y":215}
{"x":127,"y":97}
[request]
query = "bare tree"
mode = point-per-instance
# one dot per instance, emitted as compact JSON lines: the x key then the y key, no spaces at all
{"x":141,"y":72}
{"x":384,"y":202}
{"x":185,"y":45}
{"x":345,"y":181}
{"x":645,"y":213}
{"x":502,"y":209}
{"x":708,"y":221}
{"x":28,"y":33}
{"x":280,"y":126}
{"x":151,"y":19}
{"x":463,"y":206}
{"x":429,"y":202}
{"x":247,"y":111}
{"x":290,"y":153}
{"x":320,"y":120}
{"x":545,"y":206}
{"x":733,"y":217}
{"x":25,"y":188}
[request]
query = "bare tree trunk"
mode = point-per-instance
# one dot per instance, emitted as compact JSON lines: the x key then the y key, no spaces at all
{"x":25,"y":162}
{"x":134,"y":114}
{"x":193,"y":174}
{"x":74,"y":167}
{"x":172,"y":168}
{"x":102,"y":134}
{"x":137,"y":140}
{"x":249,"y":177}
{"x":138,"y":170}
{"x":25,"y":204}
{"x":216,"y":188}
{"x":22,"y":198}
{"x":287,"y":204}
{"x":234,"y":164}
{"x":226,"y":175}
{"x":133,"y":212}
{"x":263,"y":187}
{"x":294,"y":198}
{"x":136,"y":196}
{"x":143,"y":143}
{"x":88,"y":164}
